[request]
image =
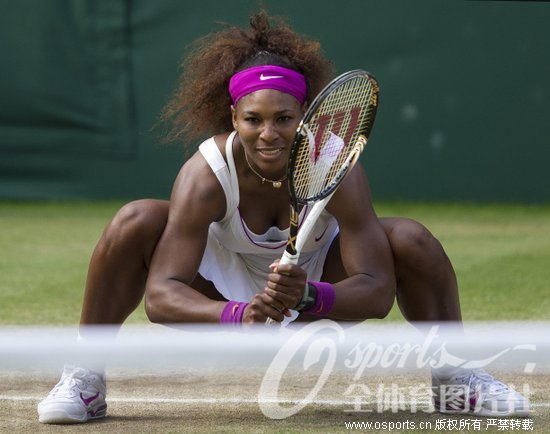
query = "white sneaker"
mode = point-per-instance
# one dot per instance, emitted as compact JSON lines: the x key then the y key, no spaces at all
{"x":78,"y":397}
{"x":477,"y":393}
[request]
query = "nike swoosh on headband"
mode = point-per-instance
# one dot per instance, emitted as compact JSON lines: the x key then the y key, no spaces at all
{"x":269,"y":77}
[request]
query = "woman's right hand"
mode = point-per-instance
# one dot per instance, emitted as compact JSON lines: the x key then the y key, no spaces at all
{"x":262,"y":307}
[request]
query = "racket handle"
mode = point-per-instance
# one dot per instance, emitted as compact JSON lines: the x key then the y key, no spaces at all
{"x":289,"y":258}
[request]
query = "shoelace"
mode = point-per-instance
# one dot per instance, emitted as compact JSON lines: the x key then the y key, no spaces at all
{"x":481,"y":380}
{"x":472,"y":390}
{"x":69,"y":381}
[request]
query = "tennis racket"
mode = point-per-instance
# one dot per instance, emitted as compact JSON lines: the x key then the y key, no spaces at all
{"x":328,"y":142}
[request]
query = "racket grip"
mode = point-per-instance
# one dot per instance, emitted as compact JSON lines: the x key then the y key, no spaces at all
{"x":289,"y":258}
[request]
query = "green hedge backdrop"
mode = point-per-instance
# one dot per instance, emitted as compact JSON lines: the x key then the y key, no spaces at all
{"x":464,"y":114}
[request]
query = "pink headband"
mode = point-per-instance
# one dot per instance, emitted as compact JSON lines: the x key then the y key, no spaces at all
{"x":267,"y":77}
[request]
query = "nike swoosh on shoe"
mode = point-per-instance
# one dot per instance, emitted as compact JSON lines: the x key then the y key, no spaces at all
{"x":88,"y":401}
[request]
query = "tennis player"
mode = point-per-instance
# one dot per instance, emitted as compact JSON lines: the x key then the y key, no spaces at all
{"x":211,"y":253}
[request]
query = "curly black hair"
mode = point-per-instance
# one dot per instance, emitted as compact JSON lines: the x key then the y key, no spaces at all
{"x":201,"y":101}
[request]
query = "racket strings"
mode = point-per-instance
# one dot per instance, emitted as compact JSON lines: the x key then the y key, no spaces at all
{"x":331,"y":135}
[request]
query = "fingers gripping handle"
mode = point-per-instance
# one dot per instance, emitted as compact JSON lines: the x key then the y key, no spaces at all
{"x":303,"y":235}
{"x":287,"y":258}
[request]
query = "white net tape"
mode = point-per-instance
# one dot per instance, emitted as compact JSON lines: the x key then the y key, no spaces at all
{"x":380,"y":347}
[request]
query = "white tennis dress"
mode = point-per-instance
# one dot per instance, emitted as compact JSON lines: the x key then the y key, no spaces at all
{"x":236,"y":259}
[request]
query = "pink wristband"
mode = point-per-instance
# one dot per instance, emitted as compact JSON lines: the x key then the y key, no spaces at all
{"x":232,"y":312}
{"x":325,"y":299}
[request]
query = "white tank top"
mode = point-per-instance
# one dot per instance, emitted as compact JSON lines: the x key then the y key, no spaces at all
{"x":235,"y":259}
{"x":257,"y":250}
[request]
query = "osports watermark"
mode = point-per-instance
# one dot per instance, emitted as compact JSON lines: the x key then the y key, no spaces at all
{"x":320,"y":345}
{"x":444,"y":424}
{"x":393,"y":397}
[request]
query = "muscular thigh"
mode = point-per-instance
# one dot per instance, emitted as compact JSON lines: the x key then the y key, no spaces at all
{"x":333,"y":270}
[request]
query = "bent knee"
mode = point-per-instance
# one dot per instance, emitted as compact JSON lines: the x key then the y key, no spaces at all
{"x":137,"y":222}
{"x":151,"y":309}
{"x":410,"y":238}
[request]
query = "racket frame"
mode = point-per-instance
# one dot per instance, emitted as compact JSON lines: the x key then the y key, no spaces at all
{"x":295,"y":241}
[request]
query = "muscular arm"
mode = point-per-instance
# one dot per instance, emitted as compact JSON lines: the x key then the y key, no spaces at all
{"x":197,"y":200}
{"x":369,"y":291}
{"x":366,"y":255}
